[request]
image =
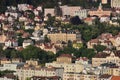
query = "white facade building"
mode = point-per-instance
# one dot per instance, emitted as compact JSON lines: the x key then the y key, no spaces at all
{"x":81,"y":13}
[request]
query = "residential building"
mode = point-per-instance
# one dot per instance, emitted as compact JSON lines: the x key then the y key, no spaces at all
{"x":104,"y":18}
{"x":64,"y":58}
{"x":32,"y":62}
{"x":99,"y":12}
{"x":105,"y":39}
{"x":47,"y":47}
{"x":89,"y":21}
{"x":115,"y":3}
{"x":69,"y":10}
{"x":5,"y":61}
{"x":102,"y":58}
{"x":46,"y":78}
{"x":82,"y":13}
{"x":79,"y":76}
{"x":28,"y":72}
{"x":63,"y":36}
{"x":73,"y":68}
{"x":11,"y":66}
{"x":27,"y":43}
{"x":110,"y":69}
{"x":11,"y":43}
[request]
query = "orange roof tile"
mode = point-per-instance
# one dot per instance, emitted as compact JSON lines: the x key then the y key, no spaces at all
{"x":115,"y":78}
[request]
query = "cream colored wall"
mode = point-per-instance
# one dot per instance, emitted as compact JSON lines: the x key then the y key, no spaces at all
{"x":64,"y":59}
{"x":61,"y":37}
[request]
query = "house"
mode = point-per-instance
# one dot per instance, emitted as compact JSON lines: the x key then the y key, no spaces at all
{"x":65,"y":58}
{"x":4,"y":61}
{"x":11,"y":43}
{"x":104,"y":18}
{"x":27,"y":43}
{"x":105,"y":39}
{"x":88,"y":21}
{"x":92,"y":42}
{"x":47,"y":47}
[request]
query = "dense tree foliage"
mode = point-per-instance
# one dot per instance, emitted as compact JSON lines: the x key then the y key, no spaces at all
{"x":99,"y":48}
{"x":75,"y":20}
{"x":82,"y":52}
{"x":2,"y":73}
{"x":32,"y":52}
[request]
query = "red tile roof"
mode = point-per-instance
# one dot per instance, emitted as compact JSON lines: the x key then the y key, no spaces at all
{"x":115,"y":78}
{"x":65,"y":55}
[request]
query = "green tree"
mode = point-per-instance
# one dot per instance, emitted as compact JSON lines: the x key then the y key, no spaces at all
{"x":99,"y":48}
{"x":32,"y":52}
{"x":51,"y":20}
{"x":46,"y":39}
{"x":20,"y":41}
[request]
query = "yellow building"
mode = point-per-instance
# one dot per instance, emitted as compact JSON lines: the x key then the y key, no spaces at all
{"x":4,"y":61}
{"x":115,"y":3}
{"x":111,"y":70}
{"x":32,"y":62}
{"x":102,"y":58}
{"x":64,"y":58}
{"x":63,"y":36}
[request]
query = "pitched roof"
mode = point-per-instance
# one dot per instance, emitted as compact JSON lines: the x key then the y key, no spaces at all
{"x":105,"y":76}
{"x":104,"y":55}
{"x":66,"y":55}
{"x":115,"y":78}
{"x":101,"y":55}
